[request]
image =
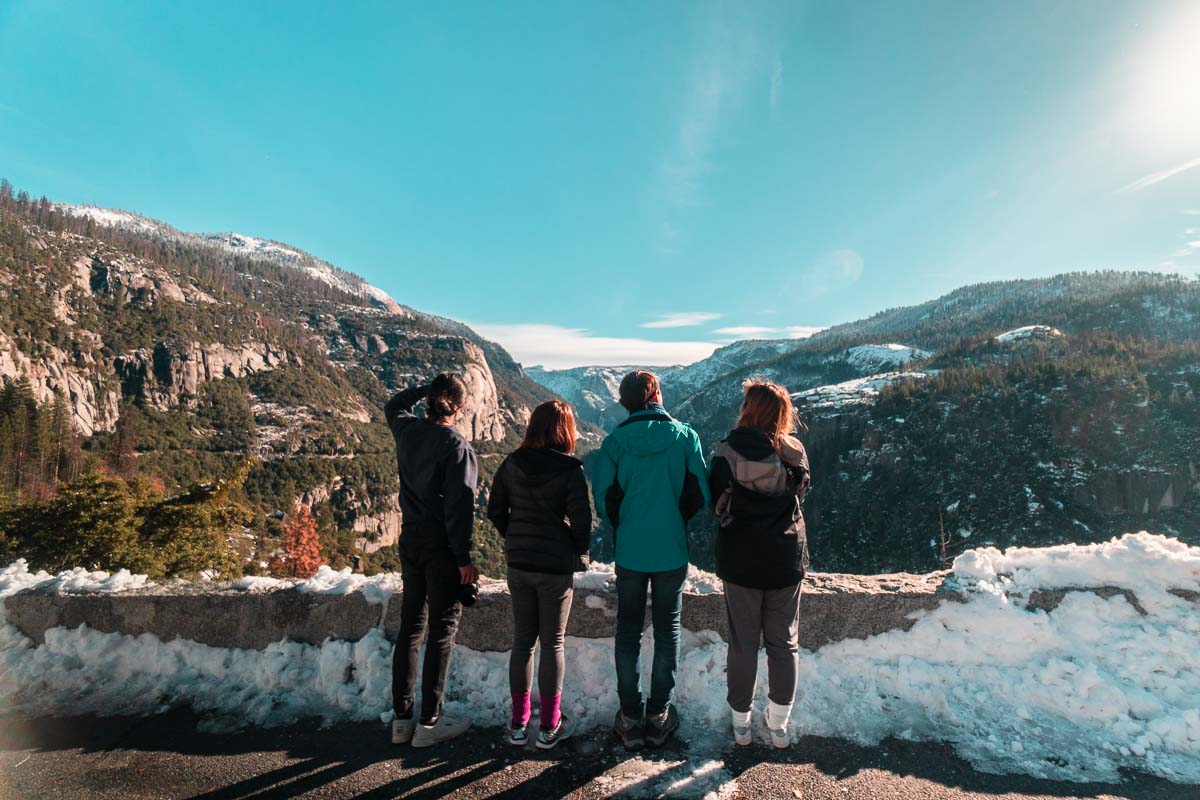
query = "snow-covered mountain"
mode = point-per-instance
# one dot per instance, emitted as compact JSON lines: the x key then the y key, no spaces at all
{"x":238,"y":244}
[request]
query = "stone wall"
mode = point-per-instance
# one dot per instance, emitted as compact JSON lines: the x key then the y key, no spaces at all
{"x":834,"y":607}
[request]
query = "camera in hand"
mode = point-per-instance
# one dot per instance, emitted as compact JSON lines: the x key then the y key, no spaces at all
{"x":468,"y":594}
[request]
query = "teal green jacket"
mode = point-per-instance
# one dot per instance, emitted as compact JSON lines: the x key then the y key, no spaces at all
{"x":648,"y":480}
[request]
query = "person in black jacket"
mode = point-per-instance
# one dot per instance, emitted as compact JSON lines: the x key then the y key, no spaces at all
{"x":539,"y":503}
{"x":758,"y":480}
{"x":438,"y":475}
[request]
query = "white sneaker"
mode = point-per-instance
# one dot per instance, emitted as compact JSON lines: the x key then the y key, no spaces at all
{"x":518,"y":736}
{"x":445,"y":729}
{"x":780,"y":737}
{"x":777,"y":724}
{"x":402,"y":730}
{"x":741,"y":728}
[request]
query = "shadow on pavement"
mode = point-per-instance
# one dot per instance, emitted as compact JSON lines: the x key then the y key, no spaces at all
{"x":347,"y":756}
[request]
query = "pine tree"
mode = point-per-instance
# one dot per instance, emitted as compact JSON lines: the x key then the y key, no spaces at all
{"x":301,"y":546}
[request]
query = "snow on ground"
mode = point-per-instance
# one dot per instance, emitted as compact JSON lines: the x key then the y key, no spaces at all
{"x":853,"y":392}
{"x":1029,"y":333}
{"x":1087,"y":690}
{"x":376,"y":589}
{"x":600,"y":576}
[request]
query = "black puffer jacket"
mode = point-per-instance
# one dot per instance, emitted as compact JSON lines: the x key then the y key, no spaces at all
{"x":539,"y":503}
{"x":761,"y":543}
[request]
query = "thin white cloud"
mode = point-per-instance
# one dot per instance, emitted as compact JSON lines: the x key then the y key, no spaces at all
{"x":776,"y":81}
{"x":745,"y":331}
{"x":681,"y":319}
{"x":732,"y":51}
{"x":1192,"y":212}
{"x":766,"y":332}
{"x":557,"y":347}
{"x":1160,"y":176}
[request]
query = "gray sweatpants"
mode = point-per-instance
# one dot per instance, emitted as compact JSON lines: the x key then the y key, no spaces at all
{"x":770,"y":616}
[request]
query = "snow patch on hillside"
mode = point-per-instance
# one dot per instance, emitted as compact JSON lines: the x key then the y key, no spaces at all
{"x":1029,"y":333}
{"x":853,"y":392}
{"x":877,"y":356}
{"x":238,"y":244}
{"x":1096,"y":686}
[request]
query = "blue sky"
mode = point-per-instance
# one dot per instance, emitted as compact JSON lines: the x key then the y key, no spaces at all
{"x":630,"y":182}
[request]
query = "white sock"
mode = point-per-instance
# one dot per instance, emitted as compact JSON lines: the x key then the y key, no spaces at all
{"x":777,"y":715}
{"x":740,"y":719}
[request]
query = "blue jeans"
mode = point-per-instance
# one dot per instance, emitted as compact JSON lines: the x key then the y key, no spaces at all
{"x":666,"y":599}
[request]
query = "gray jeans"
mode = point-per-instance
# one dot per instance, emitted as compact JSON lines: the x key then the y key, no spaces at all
{"x":541,"y":604}
{"x":770,"y":616}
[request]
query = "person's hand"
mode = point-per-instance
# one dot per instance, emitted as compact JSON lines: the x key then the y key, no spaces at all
{"x":469,"y":574}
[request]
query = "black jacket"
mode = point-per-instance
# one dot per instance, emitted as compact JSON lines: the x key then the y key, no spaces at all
{"x":539,"y":503}
{"x":437,"y":481}
{"x":761,"y":543}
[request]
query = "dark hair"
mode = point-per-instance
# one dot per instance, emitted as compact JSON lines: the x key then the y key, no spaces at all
{"x":637,"y":388}
{"x":552,"y":425}
{"x":447,"y":394}
{"x":768,"y":407}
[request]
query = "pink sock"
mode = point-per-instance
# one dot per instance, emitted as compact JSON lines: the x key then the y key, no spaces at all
{"x":550,"y":711}
{"x":520,"y":715}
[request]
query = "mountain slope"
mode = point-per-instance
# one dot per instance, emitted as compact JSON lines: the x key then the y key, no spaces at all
{"x":202,"y":349}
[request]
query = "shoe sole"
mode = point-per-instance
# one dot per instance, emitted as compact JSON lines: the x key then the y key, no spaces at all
{"x":749,"y":740}
{"x":419,"y":745}
{"x":659,"y":741}
{"x":631,"y":744}
{"x":518,"y":742}
{"x":403,"y":738}
{"x":551,"y":745}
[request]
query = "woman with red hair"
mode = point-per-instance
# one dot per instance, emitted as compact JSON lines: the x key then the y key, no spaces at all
{"x":758,"y":479}
{"x":539,"y":503}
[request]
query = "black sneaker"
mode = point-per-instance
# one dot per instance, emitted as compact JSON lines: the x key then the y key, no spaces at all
{"x":631,"y":731}
{"x":546,"y":740}
{"x":660,"y":727}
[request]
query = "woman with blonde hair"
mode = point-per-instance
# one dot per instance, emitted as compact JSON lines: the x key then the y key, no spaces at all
{"x":758,"y":480}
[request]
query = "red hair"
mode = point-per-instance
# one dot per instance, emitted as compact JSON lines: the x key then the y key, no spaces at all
{"x":551,"y":425}
{"x":768,"y":407}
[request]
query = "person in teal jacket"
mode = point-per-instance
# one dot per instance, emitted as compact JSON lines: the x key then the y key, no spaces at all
{"x":648,"y":480}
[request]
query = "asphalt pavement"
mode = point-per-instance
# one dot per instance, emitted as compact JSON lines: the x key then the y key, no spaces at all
{"x":171,"y":756}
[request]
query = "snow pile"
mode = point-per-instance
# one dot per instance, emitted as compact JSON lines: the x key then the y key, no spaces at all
{"x":376,"y":589}
{"x":1029,"y":333}
{"x":602,"y":576}
{"x":1096,"y":686}
{"x":876,"y":356}
{"x":853,"y":392}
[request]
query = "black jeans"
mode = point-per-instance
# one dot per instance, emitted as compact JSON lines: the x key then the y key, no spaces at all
{"x":541,"y":604}
{"x":431,"y":593}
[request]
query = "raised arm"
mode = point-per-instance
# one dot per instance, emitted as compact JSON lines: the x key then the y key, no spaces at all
{"x":399,"y":408}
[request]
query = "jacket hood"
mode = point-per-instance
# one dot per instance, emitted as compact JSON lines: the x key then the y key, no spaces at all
{"x":537,"y":466}
{"x":646,"y":438}
{"x":750,"y":443}
{"x":753,"y":444}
